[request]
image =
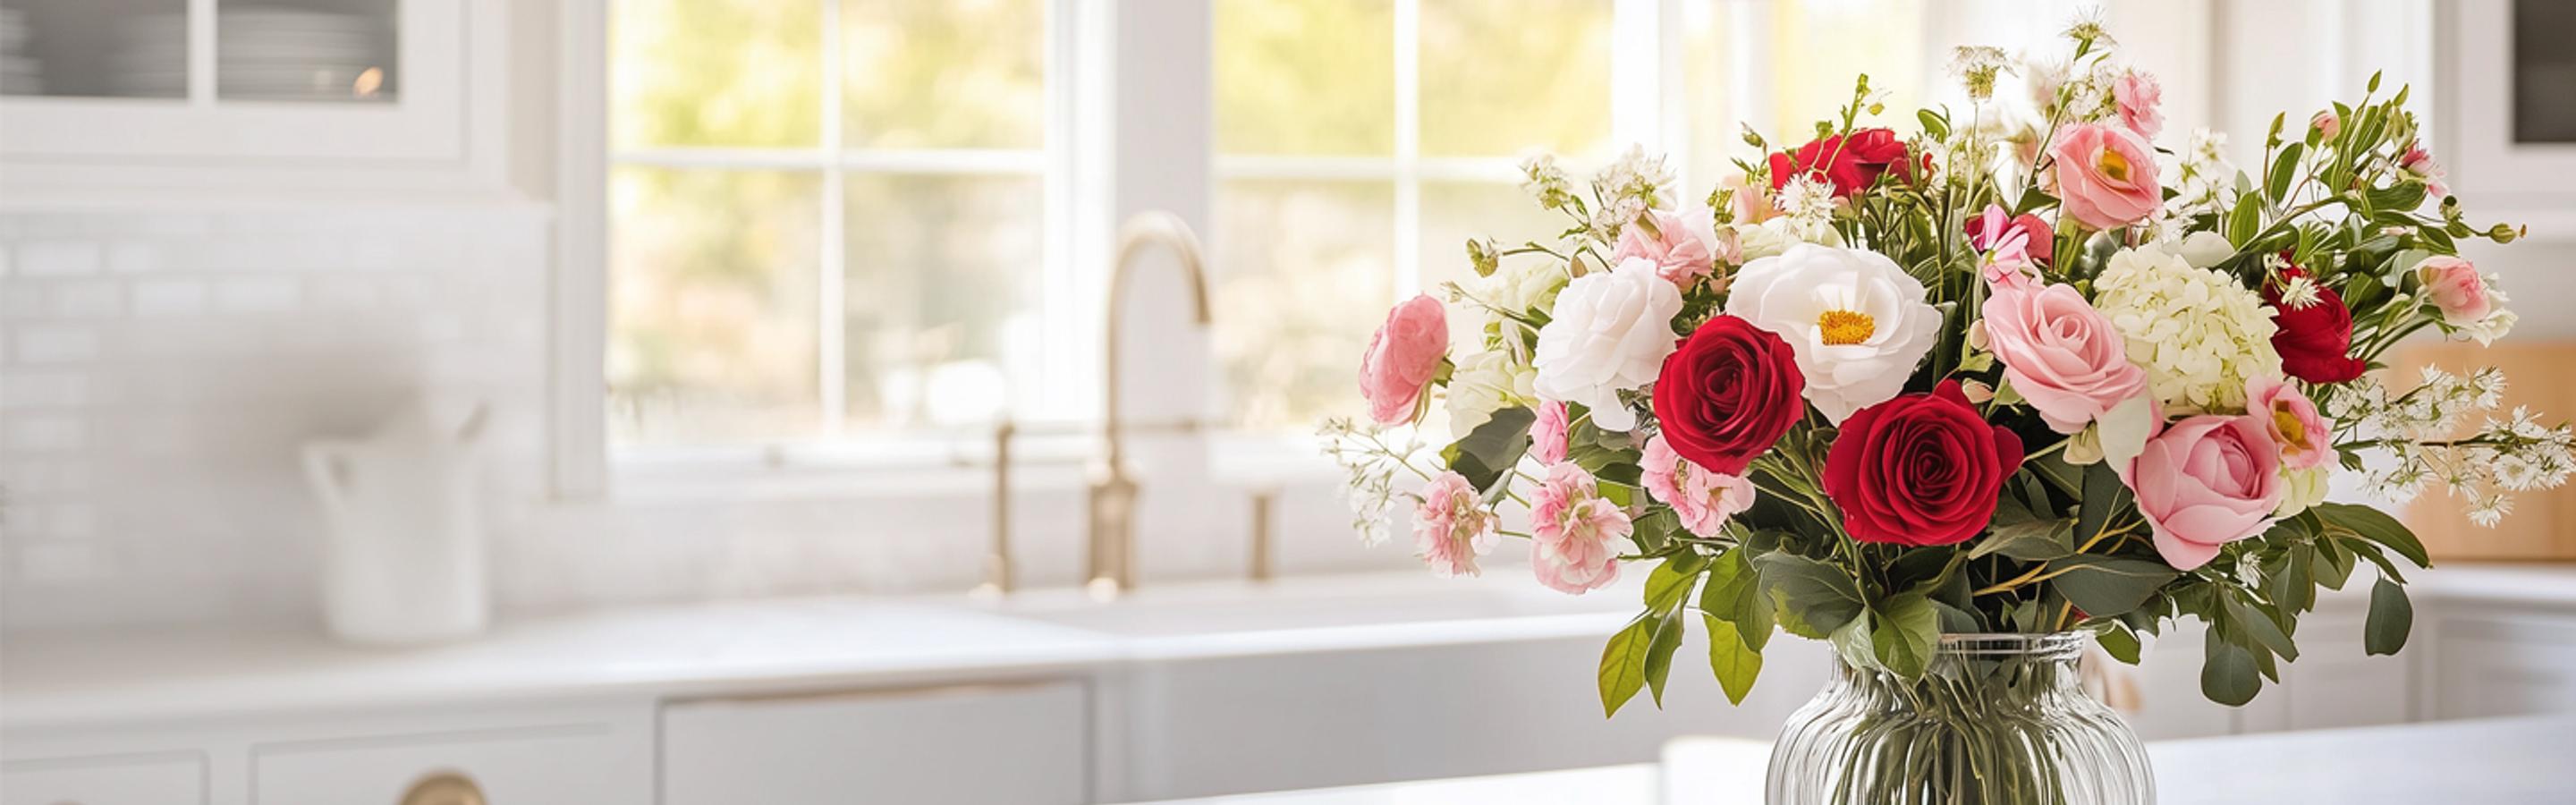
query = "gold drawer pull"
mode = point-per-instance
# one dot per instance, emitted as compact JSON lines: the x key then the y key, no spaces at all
{"x":444,"y":788}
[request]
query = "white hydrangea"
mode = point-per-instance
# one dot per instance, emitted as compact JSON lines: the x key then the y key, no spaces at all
{"x":1523,"y":285}
{"x":1486,"y":382}
{"x":2197,"y":332}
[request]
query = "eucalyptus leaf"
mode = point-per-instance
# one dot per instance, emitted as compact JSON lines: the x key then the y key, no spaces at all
{"x":2029,"y":541}
{"x":2391,"y":618}
{"x":1811,"y":599}
{"x":2374,"y":525}
{"x":2120,"y":643}
{"x":2228,"y":675}
{"x":2104,"y":586}
{"x":2262,"y":628}
{"x":1487,"y":454}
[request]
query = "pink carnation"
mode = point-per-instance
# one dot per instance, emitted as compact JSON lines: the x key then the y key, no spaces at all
{"x":2205,"y":482}
{"x":1402,"y":358}
{"x":2326,"y":124}
{"x":2456,"y":287}
{"x":1452,"y":526}
{"x":1547,"y":435}
{"x":1702,"y":498}
{"x":1684,"y":248}
{"x":2137,"y":95}
{"x":2291,"y":420}
{"x":2419,"y":162}
{"x":1574,"y":532}
{"x":2106,"y":177}
{"x":2062,"y":355}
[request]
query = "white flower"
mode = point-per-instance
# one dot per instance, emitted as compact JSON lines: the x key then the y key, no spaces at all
{"x":1608,"y":333}
{"x":1773,"y":238}
{"x":1523,"y":285}
{"x":2197,"y":332}
{"x":2204,"y":249}
{"x":1856,"y":321}
{"x":2305,"y":488}
{"x":1486,"y":382}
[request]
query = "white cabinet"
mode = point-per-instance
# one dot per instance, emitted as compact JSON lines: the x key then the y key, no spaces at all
{"x":566,"y":765}
{"x":250,"y":97}
{"x":156,"y":779}
{"x":2507,"y":130}
{"x":1020,"y":744}
{"x":2502,"y":663}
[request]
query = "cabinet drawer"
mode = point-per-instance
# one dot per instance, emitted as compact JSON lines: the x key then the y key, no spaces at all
{"x":160,"y":779}
{"x":1017,"y":744}
{"x":569,"y":765}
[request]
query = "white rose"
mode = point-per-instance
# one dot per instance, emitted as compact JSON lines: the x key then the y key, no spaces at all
{"x":1609,"y":332}
{"x":1523,"y":284}
{"x":1483,"y":383}
{"x":1774,"y":237}
{"x":2204,"y":249}
{"x":1856,"y":321}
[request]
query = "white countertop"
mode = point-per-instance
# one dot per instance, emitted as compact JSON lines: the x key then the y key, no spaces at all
{"x":838,"y":642}
{"x":2495,"y":762}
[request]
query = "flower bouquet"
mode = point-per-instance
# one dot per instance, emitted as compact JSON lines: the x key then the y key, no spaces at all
{"x":1959,"y":402}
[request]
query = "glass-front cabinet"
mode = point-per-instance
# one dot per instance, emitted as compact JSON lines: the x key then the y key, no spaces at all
{"x":2510,"y":133}
{"x":114,"y":84}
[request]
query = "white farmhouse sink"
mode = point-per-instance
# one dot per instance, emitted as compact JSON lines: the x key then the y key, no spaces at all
{"x":1340,"y":603}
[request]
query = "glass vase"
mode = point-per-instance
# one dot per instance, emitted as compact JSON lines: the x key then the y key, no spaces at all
{"x":1996,"y":719}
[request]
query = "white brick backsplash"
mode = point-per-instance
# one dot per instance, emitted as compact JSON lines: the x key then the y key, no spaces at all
{"x":56,"y":344}
{"x":46,"y":258}
{"x":169,"y":297}
{"x":257,"y":294}
{"x":88,"y":299}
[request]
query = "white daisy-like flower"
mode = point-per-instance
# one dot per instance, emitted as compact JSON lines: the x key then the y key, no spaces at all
{"x":1855,"y":320}
{"x":2199,"y":334}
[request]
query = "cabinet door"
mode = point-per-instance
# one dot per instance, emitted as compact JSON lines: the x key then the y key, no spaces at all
{"x":2504,"y":666}
{"x":124,"y":780}
{"x":1016,"y":744}
{"x":569,"y":765}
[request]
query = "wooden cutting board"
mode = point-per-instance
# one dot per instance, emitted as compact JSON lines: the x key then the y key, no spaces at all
{"x":2542,"y":526}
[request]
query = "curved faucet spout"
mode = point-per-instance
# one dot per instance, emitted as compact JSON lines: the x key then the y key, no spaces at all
{"x":1113,"y":494}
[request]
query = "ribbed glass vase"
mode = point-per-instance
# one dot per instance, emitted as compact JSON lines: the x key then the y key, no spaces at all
{"x":1997,"y":719}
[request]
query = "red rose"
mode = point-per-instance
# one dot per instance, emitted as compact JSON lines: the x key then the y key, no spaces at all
{"x":1728,"y":393}
{"x":1920,"y":469}
{"x":2315,"y":341}
{"x":1851,"y":163}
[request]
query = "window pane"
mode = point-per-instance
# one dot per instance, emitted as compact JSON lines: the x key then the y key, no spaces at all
{"x":939,"y":295}
{"x":1709,"y":92}
{"x":1499,"y":78}
{"x":943,"y":73}
{"x":1819,"y":48}
{"x":735,"y":73}
{"x":712,"y":305}
{"x":1305,"y":270}
{"x":1305,"y":76}
{"x":1454,"y":212}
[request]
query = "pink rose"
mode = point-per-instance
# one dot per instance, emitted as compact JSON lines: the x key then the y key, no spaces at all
{"x":2456,"y":287}
{"x":2137,"y":94}
{"x":1402,"y":357}
{"x":1683,"y":247}
{"x":1574,"y":531}
{"x":2061,"y":355}
{"x":2106,"y":177}
{"x":1547,"y":435}
{"x":2420,"y":163}
{"x":1702,"y":498}
{"x":2326,"y":124}
{"x":2205,"y":482}
{"x":1452,"y":526}
{"x":2291,"y":420}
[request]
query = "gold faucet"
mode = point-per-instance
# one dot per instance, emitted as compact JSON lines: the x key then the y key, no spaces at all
{"x":1113,"y":493}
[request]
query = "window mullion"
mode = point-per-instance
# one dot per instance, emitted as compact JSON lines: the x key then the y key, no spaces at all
{"x":1408,"y":147}
{"x":832,"y":367}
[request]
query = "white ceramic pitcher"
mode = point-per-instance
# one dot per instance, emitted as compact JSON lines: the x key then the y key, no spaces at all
{"x":403,"y":561}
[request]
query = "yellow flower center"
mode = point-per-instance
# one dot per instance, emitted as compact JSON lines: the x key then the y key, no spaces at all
{"x":2288,"y":424}
{"x":1845,"y":326}
{"x":2114,"y":165}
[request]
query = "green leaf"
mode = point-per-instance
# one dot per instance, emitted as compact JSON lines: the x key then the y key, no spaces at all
{"x":1955,"y":620}
{"x":2104,"y":586}
{"x":1669,"y":584}
{"x":1487,"y":454}
{"x":2228,"y":675}
{"x":2245,"y":221}
{"x":1904,"y":631}
{"x":1852,"y":642}
{"x":1623,"y":664}
{"x":1811,"y":599}
{"x":1732,"y":658}
{"x":2261,"y":627}
{"x":1734,"y":594}
{"x":2284,"y":169}
{"x":2104,"y":494}
{"x":2333,"y":564}
{"x":2029,"y":541}
{"x":2374,"y":525}
{"x":1659,"y":653}
{"x":2391,"y":617}
{"x":1654,"y":528}
{"x":2120,"y":643}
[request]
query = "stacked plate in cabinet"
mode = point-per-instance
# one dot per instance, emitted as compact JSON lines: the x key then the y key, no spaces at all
{"x":20,"y":73}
